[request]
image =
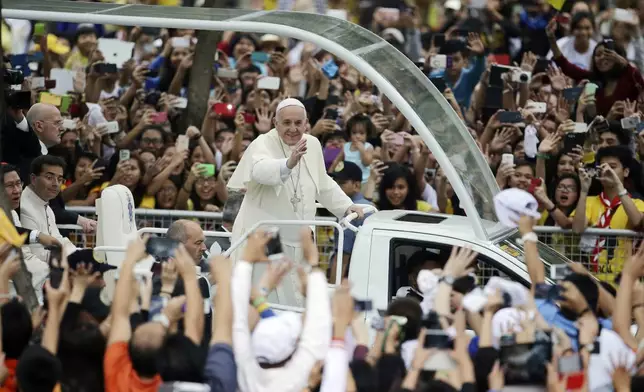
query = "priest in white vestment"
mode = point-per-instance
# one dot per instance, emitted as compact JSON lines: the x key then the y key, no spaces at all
{"x":283,"y":173}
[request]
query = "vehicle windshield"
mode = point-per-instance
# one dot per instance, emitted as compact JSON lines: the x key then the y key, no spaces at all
{"x":512,"y":245}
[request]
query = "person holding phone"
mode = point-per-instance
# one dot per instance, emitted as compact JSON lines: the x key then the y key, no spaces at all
{"x":613,"y":208}
{"x":610,"y":70}
{"x":284,"y":174}
{"x":578,"y":47}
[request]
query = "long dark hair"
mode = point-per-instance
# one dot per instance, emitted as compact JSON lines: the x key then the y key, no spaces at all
{"x":615,"y":72}
{"x":393,"y":173}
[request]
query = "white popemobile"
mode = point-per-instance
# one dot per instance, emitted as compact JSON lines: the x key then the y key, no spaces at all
{"x":387,"y":238}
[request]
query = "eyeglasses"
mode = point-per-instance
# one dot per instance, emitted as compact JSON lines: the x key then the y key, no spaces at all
{"x":151,"y":141}
{"x":53,"y":178}
{"x":567,"y":188}
{"x":13,"y":185}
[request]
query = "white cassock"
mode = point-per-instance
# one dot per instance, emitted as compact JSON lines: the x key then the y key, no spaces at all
{"x":273,"y":192}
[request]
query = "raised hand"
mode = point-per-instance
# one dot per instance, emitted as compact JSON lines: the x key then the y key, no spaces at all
{"x":474,"y":44}
{"x":460,"y":262}
{"x":550,"y":143}
{"x":297,"y":154}
{"x":264,"y":117}
{"x":528,"y":62}
{"x":255,"y":250}
{"x":169,"y":276}
{"x":83,"y":276}
{"x":193,"y":132}
{"x":274,"y":275}
{"x":501,"y":139}
{"x":585,"y":179}
{"x":557,"y":78}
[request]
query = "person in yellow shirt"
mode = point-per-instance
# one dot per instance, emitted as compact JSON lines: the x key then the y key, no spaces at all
{"x":613,"y":208}
{"x":85,"y":42}
{"x":130,"y":173}
{"x":399,"y":190}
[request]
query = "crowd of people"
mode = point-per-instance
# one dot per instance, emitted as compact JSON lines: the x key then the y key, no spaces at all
{"x":554,"y":98}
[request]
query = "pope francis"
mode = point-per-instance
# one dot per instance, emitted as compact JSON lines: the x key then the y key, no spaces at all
{"x":283,"y":173}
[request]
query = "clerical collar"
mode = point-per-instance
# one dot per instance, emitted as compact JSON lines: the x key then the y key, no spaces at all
{"x":285,"y":146}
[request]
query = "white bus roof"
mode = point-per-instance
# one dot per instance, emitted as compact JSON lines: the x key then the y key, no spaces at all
{"x":392,"y":72}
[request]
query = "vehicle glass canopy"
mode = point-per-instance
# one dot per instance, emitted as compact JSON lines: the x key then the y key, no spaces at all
{"x":392,"y":72}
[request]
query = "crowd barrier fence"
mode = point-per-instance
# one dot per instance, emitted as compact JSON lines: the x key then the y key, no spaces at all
{"x":617,"y":246}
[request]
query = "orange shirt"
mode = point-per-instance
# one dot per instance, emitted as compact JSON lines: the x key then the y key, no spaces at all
{"x":10,"y":384}
{"x":119,"y":375}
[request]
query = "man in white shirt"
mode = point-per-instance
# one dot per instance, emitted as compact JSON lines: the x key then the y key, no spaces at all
{"x":283,"y":173}
{"x":38,"y":268}
{"x":47,"y":124}
{"x":35,"y":212}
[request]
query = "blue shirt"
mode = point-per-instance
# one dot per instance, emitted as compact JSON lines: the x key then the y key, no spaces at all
{"x":349,"y":235}
{"x":551,"y":314}
{"x":464,"y":86}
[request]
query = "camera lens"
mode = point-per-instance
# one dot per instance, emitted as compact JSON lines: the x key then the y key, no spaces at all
{"x":523,"y":78}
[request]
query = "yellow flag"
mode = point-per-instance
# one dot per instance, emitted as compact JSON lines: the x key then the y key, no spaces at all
{"x":557,"y":4}
{"x":8,"y":232}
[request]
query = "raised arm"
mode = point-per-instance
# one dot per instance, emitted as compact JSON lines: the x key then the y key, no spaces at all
{"x":194,"y":318}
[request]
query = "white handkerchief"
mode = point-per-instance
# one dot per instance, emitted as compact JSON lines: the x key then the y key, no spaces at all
{"x":530,"y":141}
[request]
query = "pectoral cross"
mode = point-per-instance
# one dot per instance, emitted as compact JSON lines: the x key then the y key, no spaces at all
{"x":294,"y":201}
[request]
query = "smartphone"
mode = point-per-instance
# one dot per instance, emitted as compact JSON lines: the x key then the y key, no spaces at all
{"x":259,"y":57}
{"x":152,"y":98}
{"x":440,"y":61}
{"x":590,"y":88}
{"x":224,"y":109}
{"x":249,"y":118}
{"x":124,"y":155}
{"x":574,"y":139}
{"x":537,"y":107}
{"x":40,"y":29}
{"x":274,"y":249}
{"x":209,"y":168}
{"x":110,"y":126}
{"x":547,"y":292}
{"x":572,"y":94}
{"x":570,"y":364}
{"x":609,"y":44}
{"x":50,"y":83}
{"x":580,"y":127}
{"x":439,"y":83}
{"x":268,"y":83}
{"x":507,"y":159}
{"x":37,"y":82}
{"x":541,"y":66}
{"x":180,"y":42}
{"x":280,"y":49}
{"x":161,"y":248}
{"x":509,"y":117}
{"x":622,"y":15}
{"x":534,"y":184}
{"x":226,"y":73}
{"x":156,"y":268}
{"x":559,"y":271}
{"x":630,"y":122}
{"x":183,"y":143}
{"x":496,"y":71}
{"x":362,"y":306}
{"x":181,"y":103}
{"x":105,"y":68}
{"x":494,"y":97}
{"x":331,"y":114}
{"x":160,"y":118}
{"x":330,"y":69}
{"x":69,"y":124}
{"x":436,"y":338}
{"x":378,"y":323}
{"x":44,"y":97}
{"x":439,"y":40}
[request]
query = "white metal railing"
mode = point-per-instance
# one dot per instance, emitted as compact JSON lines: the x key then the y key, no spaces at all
{"x":588,"y":231}
{"x":338,"y":260}
{"x":155,"y":230}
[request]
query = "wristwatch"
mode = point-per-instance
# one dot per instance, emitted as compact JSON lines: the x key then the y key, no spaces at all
{"x":447,"y":280}
{"x":622,"y":193}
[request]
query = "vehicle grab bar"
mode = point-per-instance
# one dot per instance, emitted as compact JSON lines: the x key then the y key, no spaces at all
{"x":346,"y":221}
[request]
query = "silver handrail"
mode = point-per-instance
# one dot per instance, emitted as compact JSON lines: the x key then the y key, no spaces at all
{"x":338,"y":260}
